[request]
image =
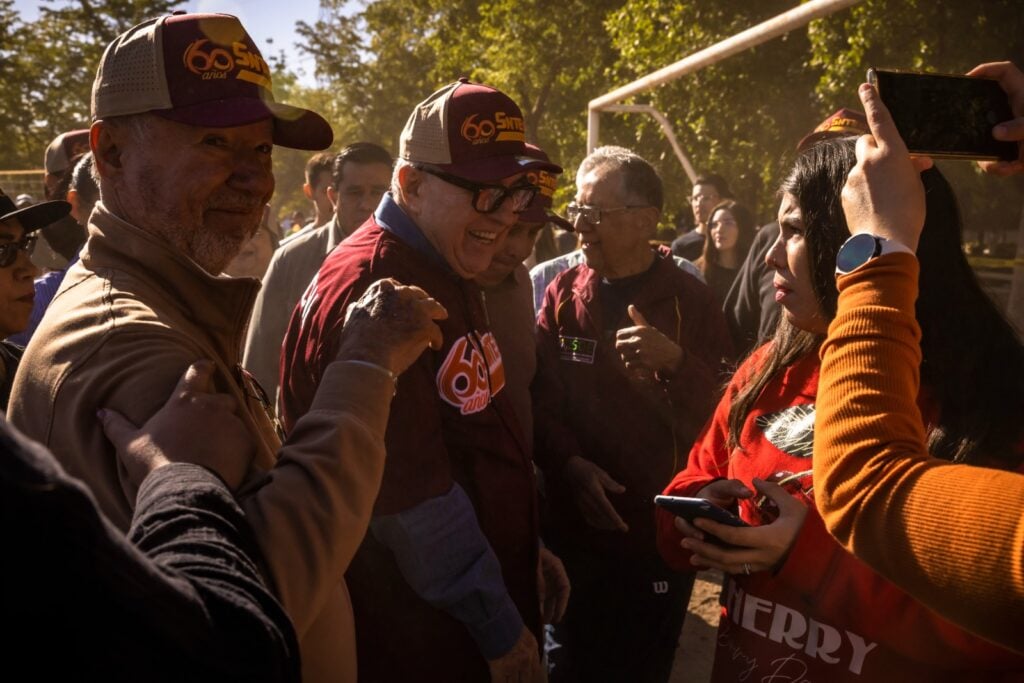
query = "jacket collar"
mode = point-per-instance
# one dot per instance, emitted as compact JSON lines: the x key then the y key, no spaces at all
{"x":393,"y":218}
{"x":218,"y":303}
{"x":663,"y":271}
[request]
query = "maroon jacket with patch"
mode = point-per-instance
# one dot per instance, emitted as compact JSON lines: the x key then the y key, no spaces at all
{"x":450,"y":422}
{"x":586,"y":403}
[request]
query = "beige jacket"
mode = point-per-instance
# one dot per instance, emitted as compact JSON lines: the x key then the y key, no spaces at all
{"x":127,"y":321}
{"x":294,"y":264}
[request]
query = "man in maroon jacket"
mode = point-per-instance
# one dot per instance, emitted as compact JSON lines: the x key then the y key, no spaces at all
{"x":444,"y":586}
{"x":629,"y":350}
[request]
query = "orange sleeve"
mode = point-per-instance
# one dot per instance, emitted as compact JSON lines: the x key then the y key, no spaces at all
{"x":950,"y":535}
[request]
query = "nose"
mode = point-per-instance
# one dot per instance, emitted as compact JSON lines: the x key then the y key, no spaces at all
{"x":253,"y":173}
{"x":24,"y":267}
{"x":505,"y":214}
{"x":581,"y":224}
{"x":776,"y":255}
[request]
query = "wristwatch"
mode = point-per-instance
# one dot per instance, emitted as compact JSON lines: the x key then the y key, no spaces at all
{"x":863,"y":247}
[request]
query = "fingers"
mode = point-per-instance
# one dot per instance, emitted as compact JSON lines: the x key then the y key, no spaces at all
{"x":880,"y":122}
{"x":1010,"y":78}
{"x":601,"y":512}
{"x":724,"y":492}
{"x":607,"y":482}
{"x":687,"y":529}
{"x":117,"y":427}
{"x":198,"y":378}
{"x":636,"y":316}
{"x":786,"y":502}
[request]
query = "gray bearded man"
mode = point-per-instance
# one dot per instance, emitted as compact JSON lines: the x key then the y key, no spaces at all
{"x":184,"y":124}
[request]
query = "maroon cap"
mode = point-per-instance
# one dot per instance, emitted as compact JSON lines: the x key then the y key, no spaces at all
{"x":469,"y":130}
{"x":539,"y":210}
{"x":202,"y":70}
{"x":841,"y":123}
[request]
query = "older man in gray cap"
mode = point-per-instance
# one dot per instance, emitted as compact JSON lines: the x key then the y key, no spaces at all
{"x":184,"y":124}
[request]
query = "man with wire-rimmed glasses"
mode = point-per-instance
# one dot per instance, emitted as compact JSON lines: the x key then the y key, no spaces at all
{"x":444,"y":586}
{"x":630,"y":348}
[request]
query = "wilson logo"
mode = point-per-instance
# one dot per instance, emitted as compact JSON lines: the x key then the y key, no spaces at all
{"x":471,"y":374}
{"x":501,"y":129}
{"x":209,"y":61}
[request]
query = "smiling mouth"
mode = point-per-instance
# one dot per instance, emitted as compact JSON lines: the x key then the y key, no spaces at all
{"x":484,"y":236}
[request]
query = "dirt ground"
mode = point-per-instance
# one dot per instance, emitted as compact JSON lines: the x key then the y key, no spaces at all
{"x":697,"y":642}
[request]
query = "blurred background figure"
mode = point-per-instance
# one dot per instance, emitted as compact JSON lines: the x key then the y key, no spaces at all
{"x":61,"y":240}
{"x":731,"y":230}
{"x":318,"y":179}
{"x":253,"y":259}
{"x":708,"y":190}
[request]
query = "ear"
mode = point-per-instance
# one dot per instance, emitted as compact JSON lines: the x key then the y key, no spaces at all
{"x":410,"y":180}
{"x":648,"y":218}
{"x":332,"y":195}
{"x":72,"y":199}
{"x":307,"y":191}
{"x":106,"y":150}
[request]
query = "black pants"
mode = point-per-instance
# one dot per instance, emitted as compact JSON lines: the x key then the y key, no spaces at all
{"x":623,"y":621}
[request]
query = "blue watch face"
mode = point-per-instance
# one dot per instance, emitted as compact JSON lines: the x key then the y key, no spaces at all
{"x":856,"y":252}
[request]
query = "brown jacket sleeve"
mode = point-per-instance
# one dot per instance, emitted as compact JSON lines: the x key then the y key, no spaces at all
{"x":950,"y":535}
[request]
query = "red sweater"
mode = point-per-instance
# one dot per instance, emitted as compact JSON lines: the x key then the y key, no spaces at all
{"x":823,"y":615}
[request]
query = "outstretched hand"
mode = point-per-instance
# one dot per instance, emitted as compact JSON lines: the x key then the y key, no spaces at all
{"x":883,"y":194}
{"x":391,"y":325}
{"x":195,"y":425}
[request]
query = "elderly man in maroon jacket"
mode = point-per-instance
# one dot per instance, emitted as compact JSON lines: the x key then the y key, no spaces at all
{"x":630,"y":348}
{"x":445,"y":584}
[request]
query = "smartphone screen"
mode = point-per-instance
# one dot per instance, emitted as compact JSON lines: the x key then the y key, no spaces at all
{"x":946,"y":116}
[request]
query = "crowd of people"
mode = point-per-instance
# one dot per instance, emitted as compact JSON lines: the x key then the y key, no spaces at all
{"x":419,"y":437}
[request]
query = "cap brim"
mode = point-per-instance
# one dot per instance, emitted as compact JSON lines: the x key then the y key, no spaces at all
{"x":38,"y":215}
{"x":498,"y":168}
{"x":542,"y":214}
{"x":294,"y":127}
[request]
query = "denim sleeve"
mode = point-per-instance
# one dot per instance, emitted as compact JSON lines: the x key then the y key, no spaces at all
{"x":447,"y":561}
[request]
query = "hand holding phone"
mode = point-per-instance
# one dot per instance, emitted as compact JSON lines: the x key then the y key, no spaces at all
{"x":946,"y":116}
{"x":1011,"y":80}
{"x":691,"y":509}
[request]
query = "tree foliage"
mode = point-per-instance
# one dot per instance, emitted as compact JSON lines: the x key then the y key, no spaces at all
{"x":377,"y":58}
{"x":47,"y":67}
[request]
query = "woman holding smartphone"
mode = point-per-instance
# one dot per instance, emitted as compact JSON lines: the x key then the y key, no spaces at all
{"x":796,"y":605}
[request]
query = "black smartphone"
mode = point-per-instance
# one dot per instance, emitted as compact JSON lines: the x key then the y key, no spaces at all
{"x":946,"y":116}
{"x":692,"y":508}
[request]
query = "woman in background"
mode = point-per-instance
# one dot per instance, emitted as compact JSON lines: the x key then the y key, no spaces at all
{"x":731,"y":229}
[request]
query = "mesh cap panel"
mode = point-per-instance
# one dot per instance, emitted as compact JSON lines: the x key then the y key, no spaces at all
{"x":131,"y":78}
{"x":425,"y":136}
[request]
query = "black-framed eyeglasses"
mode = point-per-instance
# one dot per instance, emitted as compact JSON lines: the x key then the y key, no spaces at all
{"x":593,"y":214}
{"x":488,"y":198}
{"x":9,"y":250}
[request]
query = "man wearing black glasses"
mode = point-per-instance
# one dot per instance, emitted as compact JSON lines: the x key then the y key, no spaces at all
{"x":444,"y":586}
{"x":629,"y":353}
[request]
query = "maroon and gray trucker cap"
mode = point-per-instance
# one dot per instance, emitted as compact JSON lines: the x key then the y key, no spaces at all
{"x":66,"y":149}
{"x":469,"y":130}
{"x":202,"y":70}
{"x":539,"y":210}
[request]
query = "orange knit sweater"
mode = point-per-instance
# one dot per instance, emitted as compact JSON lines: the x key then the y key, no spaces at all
{"x":950,"y":535}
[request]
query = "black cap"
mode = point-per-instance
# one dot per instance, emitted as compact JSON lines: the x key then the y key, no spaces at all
{"x":35,"y":216}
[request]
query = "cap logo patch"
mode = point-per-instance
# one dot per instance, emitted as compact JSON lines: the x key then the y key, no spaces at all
{"x":507,"y":128}
{"x":216,"y":62}
{"x":547,"y":182}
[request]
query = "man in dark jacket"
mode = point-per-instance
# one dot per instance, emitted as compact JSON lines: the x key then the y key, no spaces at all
{"x":630,"y":349}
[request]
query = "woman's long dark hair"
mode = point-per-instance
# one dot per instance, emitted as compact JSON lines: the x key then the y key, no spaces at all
{"x":973,"y":362}
{"x":746,"y":230}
